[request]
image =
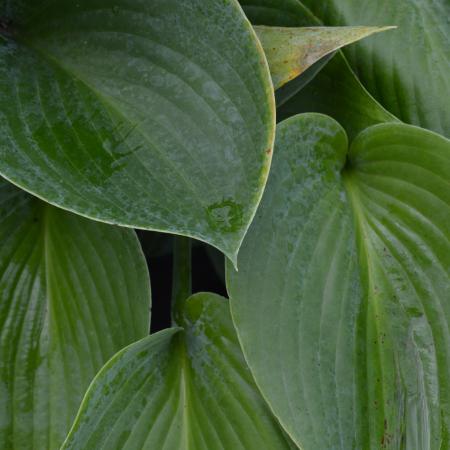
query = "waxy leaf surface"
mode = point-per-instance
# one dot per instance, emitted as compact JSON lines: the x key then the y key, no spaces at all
{"x":73,"y":292}
{"x":179,"y":389}
{"x":342,"y":299}
{"x":406,"y":70}
{"x":150,"y":114}
{"x":335,"y":90}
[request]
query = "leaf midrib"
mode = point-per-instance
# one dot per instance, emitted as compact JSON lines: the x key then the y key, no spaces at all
{"x":47,"y":269}
{"x":184,"y":390}
{"x":367,"y":258}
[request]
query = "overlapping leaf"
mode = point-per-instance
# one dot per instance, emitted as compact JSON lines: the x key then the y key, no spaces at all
{"x":178,"y":390}
{"x":342,"y":296}
{"x":155,"y":115}
{"x":72,"y":293}
{"x":335,"y":90}
{"x":290,"y":51}
{"x":406,"y":70}
{"x":287,"y":91}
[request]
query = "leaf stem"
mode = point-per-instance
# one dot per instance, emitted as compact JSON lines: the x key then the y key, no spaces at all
{"x":182,"y":282}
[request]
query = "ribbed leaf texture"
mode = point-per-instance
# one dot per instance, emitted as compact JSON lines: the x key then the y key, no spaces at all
{"x":341,"y":301}
{"x":72,"y":293}
{"x":179,"y":390}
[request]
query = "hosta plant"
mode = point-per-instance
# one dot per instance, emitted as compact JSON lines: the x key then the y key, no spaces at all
{"x":278,"y":171}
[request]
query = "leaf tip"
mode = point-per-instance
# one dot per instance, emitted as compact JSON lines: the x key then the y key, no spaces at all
{"x":387,"y":27}
{"x":233,"y":260}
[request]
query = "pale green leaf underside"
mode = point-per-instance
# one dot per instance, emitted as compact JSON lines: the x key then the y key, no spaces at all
{"x":290,"y":51}
{"x":179,"y":390}
{"x":343,"y":287}
{"x":406,"y":70}
{"x":72,"y":293}
{"x":335,"y":90}
{"x":155,"y":115}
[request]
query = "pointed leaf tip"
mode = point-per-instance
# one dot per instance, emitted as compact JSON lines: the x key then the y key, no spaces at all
{"x":174,"y":143}
{"x":290,"y":51}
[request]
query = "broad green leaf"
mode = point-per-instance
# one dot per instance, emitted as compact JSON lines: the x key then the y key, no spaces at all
{"x":151,"y":114}
{"x":341,"y":301}
{"x":406,"y":70}
{"x":178,"y":390}
{"x":335,"y":90}
{"x":290,"y":51}
{"x":282,"y":13}
{"x":72,"y":293}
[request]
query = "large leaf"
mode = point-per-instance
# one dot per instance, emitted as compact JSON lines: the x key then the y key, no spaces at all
{"x":152,"y":114}
{"x":335,"y":90}
{"x":290,"y":51}
{"x":341,"y":301}
{"x":407,"y":70}
{"x":72,"y":293}
{"x":178,"y":390}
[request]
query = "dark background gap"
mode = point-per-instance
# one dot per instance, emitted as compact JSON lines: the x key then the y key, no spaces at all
{"x":157,"y":248}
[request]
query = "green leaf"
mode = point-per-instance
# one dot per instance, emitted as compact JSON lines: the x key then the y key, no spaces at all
{"x":406,"y":70}
{"x":290,"y":51}
{"x":155,"y":115}
{"x":341,"y":299}
{"x":72,"y":293}
{"x":335,"y":90}
{"x":178,"y":390}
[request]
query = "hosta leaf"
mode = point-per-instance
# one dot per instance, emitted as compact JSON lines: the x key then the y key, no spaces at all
{"x":282,"y":13}
{"x":335,"y":90}
{"x":341,"y":301}
{"x":152,"y":114}
{"x":72,"y":293}
{"x":408,"y":69}
{"x":290,"y":51}
{"x":178,"y":390}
